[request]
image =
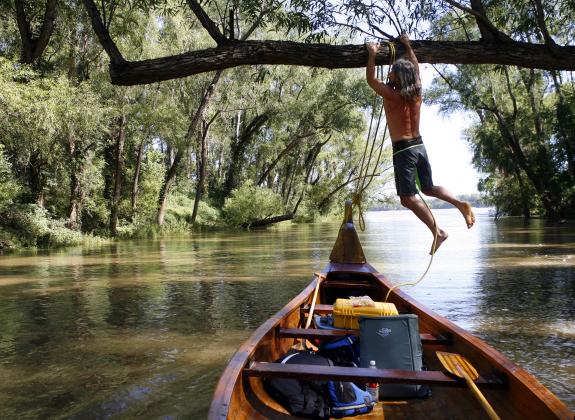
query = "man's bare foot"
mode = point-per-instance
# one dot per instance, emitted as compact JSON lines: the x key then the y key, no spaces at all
{"x":441,"y":237}
{"x":467,"y":212}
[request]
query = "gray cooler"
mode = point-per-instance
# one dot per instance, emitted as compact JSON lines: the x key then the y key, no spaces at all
{"x":394,"y":343}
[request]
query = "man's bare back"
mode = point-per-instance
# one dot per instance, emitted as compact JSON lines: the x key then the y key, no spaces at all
{"x":402,"y":117}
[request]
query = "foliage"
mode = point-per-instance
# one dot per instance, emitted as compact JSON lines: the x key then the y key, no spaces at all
{"x":9,"y":188}
{"x":276,"y":139}
{"x":522,"y":136}
{"x":35,"y":227}
{"x":249,"y":203}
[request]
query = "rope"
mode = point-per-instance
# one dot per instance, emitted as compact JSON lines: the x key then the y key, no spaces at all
{"x":433,"y":249}
{"x":363,"y":182}
{"x":362,"y":185}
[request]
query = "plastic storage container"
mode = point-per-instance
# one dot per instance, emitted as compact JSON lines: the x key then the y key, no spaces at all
{"x":346,"y":316}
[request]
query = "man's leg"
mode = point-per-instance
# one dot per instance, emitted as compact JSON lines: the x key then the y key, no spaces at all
{"x":445,"y":195}
{"x":419,"y":208}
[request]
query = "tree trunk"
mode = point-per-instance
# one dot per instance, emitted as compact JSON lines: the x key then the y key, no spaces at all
{"x":325,"y":201}
{"x":117,"y":194}
{"x":171,"y":174}
{"x":565,"y":127}
{"x":36,"y":178}
{"x":272,"y":165}
{"x":202,"y":168}
{"x":309,"y":163}
{"x":33,"y":47}
{"x":136,"y":182}
{"x":268,"y":221}
{"x":167,"y":186}
{"x":238,"y":149}
{"x":524,"y":198}
{"x":76,"y":188}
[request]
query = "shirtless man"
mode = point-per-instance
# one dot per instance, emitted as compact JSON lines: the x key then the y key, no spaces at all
{"x":402,"y":103}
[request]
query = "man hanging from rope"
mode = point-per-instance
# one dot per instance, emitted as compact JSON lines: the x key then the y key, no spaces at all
{"x":402,"y":103}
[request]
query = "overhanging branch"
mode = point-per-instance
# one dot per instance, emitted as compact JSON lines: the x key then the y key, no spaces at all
{"x":208,"y":24}
{"x":103,"y":35}
{"x":238,"y":53}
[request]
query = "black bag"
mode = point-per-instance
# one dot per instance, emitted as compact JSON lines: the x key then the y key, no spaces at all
{"x":317,"y":399}
{"x":301,"y":398}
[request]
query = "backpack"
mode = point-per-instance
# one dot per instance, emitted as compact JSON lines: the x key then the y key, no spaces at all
{"x":347,"y":399}
{"x":300,"y":398}
{"x":317,"y":399}
{"x":343,"y":351}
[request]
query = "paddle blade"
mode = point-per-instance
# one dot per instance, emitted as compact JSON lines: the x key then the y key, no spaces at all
{"x":457,"y":365}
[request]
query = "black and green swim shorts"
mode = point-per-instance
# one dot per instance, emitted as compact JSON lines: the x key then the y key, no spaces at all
{"x":410,"y":161}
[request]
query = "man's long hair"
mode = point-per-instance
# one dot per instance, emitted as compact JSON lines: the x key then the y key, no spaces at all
{"x":409,"y":82}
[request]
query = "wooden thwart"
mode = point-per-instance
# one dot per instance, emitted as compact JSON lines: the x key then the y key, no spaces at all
{"x":352,"y":374}
{"x":313,"y":333}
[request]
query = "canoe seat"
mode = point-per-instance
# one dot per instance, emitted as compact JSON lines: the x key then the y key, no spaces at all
{"x":361,"y":375}
{"x":313,"y":333}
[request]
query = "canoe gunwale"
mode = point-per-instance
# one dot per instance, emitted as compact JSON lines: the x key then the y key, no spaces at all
{"x":509,"y":371}
{"x":520,"y":383}
{"x":231,"y":377}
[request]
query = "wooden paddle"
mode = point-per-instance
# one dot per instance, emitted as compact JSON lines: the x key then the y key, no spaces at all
{"x":459,"y":366}
{"x":320,"y":277}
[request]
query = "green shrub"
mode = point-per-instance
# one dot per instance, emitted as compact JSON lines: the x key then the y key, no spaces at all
{"x":208,"y":216}
{"x":249,"y":203}
{"x":34,"y":227}
{"x":9,"y":188}
{"x":177,"y":220}
{"x":179,"y":214}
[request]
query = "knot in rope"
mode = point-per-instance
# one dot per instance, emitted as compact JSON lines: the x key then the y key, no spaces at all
{"x":356,"y":202}
{"x":392,"y":53}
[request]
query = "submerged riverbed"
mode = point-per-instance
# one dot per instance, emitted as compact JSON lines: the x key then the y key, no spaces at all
{"x":144,"y":328}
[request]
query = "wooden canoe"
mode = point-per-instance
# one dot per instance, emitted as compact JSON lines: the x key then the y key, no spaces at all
{"x":513,"y":393}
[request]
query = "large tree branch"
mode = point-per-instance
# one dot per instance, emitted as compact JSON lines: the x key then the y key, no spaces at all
{"x":47,"y":28}
{"x":208,"y":24}
{"x":488,"y":31}
{"x":550,"y":42}
{"x":239,"y":53}
{"x":24,"y":29}
{"x":103,"y":35}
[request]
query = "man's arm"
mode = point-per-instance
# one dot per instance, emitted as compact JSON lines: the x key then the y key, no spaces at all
{"x":409,"y":53}
{"x":376,"y":85}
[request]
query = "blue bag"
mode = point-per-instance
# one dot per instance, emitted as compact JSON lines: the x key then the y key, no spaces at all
{"x":342,"y":351}
{"x":347,"y":399}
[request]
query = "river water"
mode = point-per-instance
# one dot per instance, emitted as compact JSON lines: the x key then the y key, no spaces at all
{"x":143,"y":329}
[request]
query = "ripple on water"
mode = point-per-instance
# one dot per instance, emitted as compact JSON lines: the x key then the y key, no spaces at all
{"x":146,"y":327}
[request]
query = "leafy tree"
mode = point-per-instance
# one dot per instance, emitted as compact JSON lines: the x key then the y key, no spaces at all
{"x":9,"y":187}
{"x":315,"y":20}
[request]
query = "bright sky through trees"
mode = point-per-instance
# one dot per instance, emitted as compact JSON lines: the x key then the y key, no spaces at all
{"x":449,"y":153}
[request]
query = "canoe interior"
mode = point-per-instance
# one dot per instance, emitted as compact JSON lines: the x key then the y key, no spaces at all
{"x":516,"y":394}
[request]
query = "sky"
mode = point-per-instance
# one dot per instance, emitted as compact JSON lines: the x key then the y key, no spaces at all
{"x":448,"y":152}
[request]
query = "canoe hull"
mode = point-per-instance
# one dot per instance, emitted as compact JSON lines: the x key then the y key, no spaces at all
{"x":515,"y":394}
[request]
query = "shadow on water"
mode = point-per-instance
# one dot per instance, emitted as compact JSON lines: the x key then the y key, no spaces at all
{"x":144,"y":328}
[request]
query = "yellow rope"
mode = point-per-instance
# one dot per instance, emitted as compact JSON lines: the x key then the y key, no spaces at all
{"x":433,"y":249}
{"x":362,"y":183}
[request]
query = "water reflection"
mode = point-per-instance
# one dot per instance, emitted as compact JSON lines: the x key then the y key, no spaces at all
{"x":146,"y":327}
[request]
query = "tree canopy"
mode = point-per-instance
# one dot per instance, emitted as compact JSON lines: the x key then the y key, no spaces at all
{"x":252,"y":144}
{"x":537,"y":35}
